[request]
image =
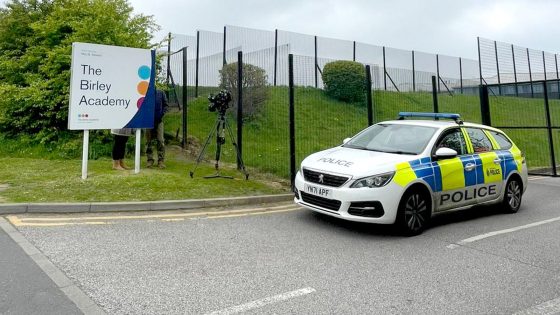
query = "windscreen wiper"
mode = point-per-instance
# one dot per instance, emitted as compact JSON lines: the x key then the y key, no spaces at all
{"x":401,"y":152}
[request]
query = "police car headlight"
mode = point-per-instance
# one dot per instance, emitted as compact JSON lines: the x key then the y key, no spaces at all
{"x":373,"y":181}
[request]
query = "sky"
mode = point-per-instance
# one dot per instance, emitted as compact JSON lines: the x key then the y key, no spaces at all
{"x":447,"y":27}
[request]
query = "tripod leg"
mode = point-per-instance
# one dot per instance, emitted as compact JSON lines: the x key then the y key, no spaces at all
{"x":239,"y":158}
{"x":219,"y":141}
{"x":201,"y":154}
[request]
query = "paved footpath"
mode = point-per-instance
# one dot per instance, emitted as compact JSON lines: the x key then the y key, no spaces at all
{"x":32,"y":284}
{"x":25,"y":288}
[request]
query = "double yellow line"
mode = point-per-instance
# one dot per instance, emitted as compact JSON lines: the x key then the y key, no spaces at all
{"x":165,"y":217}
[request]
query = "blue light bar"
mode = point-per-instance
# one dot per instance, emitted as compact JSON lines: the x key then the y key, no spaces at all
{"x":430,"y":115}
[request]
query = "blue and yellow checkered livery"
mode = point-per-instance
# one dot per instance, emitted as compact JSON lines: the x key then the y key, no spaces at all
{"x":449,"y":174}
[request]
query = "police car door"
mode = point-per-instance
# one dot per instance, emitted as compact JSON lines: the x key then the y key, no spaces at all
{"x":452,"y":175}
{"x":488,"y":165}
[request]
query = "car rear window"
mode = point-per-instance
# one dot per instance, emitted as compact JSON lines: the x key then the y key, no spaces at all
{"x":479,"y":140}
{"x":502,"y":140}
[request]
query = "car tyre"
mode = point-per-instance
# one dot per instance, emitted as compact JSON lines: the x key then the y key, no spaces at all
{"x":414,"y":212}
{"x":512,"y":195}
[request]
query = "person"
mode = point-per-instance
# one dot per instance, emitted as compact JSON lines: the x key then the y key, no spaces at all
{"x":156,"y":133}
{"x":119,"y":147}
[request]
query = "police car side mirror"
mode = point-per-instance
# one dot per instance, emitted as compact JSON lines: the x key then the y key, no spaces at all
{"x":346,"y":140}
{"x":445,"y":153}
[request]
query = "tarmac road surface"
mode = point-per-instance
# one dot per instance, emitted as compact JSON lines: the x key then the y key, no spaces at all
{"x":282,"y":259}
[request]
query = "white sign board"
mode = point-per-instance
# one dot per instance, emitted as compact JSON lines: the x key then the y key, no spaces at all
{"x":111,"y":87}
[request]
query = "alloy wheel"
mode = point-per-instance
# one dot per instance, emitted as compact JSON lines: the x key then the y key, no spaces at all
{"x":415,"y":212}
{"x":513,"y":194}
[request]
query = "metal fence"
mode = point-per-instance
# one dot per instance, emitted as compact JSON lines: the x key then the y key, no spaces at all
{"x":503,"y":63}
{"x":393,"y":69}
{"x":532,"y":122}
{"x":401,"y":80}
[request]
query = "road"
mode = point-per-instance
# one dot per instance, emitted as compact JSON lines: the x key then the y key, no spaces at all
{"x":287,"y":260}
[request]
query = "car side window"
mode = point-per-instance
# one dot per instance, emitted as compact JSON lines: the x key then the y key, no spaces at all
{"x":453,"y":139}
{"x":479,"y":140}
{"x":502,"y":140}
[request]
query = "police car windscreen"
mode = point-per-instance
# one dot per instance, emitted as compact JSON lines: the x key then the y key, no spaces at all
{"x":393,"y":138}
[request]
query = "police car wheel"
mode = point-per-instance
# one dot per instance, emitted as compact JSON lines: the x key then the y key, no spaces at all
{"x":512,"y":197}
{"x":414,"y":212}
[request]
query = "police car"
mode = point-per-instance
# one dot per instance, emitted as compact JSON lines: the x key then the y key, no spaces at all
{"x":404,"y":171}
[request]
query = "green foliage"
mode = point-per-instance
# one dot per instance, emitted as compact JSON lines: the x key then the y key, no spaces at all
{"x":36,"y":39}
{"x":255,"y":91}
{"x":345,"y":80}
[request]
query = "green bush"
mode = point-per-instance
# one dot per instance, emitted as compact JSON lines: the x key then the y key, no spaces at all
{"x":345,"y":80}
{"x":255,"y":91}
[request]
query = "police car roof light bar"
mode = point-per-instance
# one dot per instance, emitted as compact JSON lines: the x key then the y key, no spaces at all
{"x":455,"y":117}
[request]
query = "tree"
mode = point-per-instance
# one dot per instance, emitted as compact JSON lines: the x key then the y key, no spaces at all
{"x":36,"y":39}
{"x":255,"y":91}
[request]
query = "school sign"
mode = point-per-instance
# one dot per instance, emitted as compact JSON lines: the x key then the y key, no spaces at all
{"x":111,"y":87}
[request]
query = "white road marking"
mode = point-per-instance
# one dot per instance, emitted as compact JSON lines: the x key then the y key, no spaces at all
{"x":494,"y":233}
{"x":551,"y":307}
{"x":262,"y":302}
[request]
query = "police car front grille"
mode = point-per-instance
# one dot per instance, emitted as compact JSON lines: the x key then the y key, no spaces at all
{"x":320,"y":201}
{"x":328,"y":179}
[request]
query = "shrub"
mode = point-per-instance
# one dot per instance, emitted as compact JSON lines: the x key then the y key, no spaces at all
{"x":345,"y":80}
{"x":255,"y":91}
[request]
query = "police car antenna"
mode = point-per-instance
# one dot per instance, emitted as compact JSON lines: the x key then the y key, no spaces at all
{"x":220,"y":103}
{"x":436,"y":116}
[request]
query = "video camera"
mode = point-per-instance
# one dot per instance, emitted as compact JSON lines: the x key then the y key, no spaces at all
{"x":219,"y":102}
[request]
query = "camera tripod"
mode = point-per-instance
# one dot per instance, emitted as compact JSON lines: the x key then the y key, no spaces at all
{"x":219,"y":129}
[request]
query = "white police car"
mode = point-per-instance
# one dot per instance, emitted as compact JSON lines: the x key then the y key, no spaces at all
{"x":404,"y":171}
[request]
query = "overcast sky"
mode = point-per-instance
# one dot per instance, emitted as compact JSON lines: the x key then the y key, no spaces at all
{"x":448,"y":27}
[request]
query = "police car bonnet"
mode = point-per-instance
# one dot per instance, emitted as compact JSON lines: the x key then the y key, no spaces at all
{"x":355,"y":162}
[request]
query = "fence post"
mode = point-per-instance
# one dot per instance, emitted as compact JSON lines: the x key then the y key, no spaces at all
{"x":384,"y":70}
{"x":544,"y":65}
{"x":549,"y":129}
{"x":530,"y":74}
{"x":316,"y":64}
{"x":196,"y":71}
{"x":292,"y":120}
{"x":239,"y":108}
{"x":461,"y":73}
{"x":184,"y":97}
{"x":435,"y":95}
{"x":413,"y":74}
{"x":275,"y":54}
{"x":485,"y":105}
{"x":498,"y":68}
{"x":168,"y":59}
{"x":369,"y":96}
{"x":479,"y":60}
{"x":514,"y":71}
{"x":557,"y":78}
{"x":437,"y":70}
{"x":354,"y":52}
{"x":224,"y":52}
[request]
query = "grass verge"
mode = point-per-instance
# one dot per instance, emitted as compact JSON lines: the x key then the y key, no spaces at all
{"x":39,"y":180}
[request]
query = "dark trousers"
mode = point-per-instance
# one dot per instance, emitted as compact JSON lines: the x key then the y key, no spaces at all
{"x":155,"y":134}
{"x":119,"y":147}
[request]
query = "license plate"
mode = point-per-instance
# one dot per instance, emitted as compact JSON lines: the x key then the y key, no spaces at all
{"x":318,"y":191}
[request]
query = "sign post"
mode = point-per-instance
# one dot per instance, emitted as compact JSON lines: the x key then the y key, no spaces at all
{"x":111,"y":88}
